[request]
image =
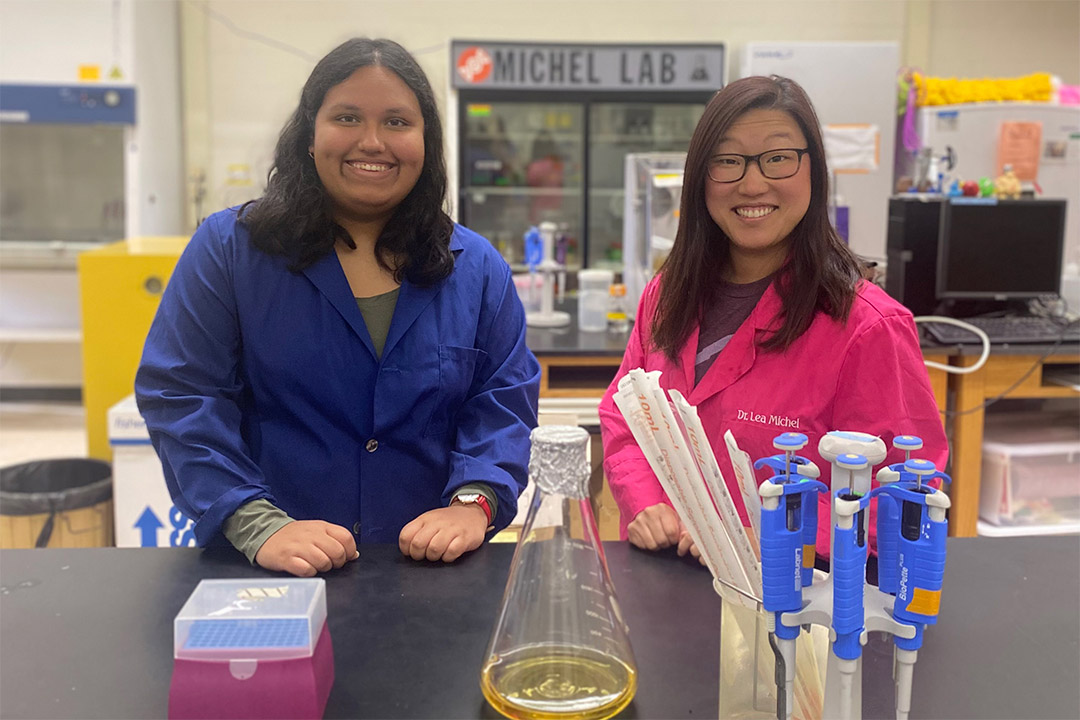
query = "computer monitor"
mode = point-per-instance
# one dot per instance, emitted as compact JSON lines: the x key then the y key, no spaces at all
{"x":1000,"y":249}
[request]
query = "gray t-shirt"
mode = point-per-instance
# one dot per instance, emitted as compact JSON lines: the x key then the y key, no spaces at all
{"x":733,"y":305}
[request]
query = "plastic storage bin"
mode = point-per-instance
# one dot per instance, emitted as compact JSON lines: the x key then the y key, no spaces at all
{"x":1030,"y":465}
{"x":593,"y":299}
{"x":255,"y":648}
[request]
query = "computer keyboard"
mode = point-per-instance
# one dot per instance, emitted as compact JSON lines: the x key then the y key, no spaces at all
{"x":1025,"y":329}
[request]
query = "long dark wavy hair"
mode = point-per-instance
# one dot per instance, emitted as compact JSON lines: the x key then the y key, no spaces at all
{"x":293,"y":217}
{"x":820,"y":272}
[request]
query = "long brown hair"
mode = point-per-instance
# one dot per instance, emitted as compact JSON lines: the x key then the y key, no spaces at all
{"x":820,"y":272}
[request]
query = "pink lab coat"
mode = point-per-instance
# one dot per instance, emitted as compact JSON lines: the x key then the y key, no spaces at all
{"x":866,"y":374}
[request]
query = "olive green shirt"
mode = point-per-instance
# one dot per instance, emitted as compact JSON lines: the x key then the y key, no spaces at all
{"x":378,"y":311}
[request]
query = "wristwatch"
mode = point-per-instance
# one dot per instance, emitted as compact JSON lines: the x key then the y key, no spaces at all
{"x":468,"y":498}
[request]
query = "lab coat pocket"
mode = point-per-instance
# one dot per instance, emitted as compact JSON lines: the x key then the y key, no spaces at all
{"x":457,"y":368}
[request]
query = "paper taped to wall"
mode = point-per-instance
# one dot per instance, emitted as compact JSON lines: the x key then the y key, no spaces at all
{"x":852,"y":148}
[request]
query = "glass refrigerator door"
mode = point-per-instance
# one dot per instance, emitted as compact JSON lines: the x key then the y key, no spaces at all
{"x":521,"y":165}
{"x":618,"y":129}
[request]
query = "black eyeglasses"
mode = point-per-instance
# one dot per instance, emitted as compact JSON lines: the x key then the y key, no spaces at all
{"x":773,"y":164}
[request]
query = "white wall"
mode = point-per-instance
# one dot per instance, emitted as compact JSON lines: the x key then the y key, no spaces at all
{"x":45,"y":41}
{"x":245,"y":60}
{"x":1004,"y":38}
{"x":248,"y":60}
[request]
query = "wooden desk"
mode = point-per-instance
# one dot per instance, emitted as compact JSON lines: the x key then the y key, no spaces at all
{"x":575,"y":363}
{"x":939,"y":379}
{"x":1006,"y":366}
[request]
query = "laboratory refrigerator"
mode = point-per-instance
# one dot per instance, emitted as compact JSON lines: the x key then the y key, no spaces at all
{"x":533,"y":156}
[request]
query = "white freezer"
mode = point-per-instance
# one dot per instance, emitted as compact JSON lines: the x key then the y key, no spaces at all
{"x":850,"y":84}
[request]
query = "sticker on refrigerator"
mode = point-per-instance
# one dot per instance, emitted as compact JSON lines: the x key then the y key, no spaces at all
{"x":1055,"y":151}
{"x":948,"y":121}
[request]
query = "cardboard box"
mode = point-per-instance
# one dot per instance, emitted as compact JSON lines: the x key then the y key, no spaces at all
{"x":144,"y":514}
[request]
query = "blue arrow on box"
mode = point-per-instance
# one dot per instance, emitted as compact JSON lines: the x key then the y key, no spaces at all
{"x":148,"y":524}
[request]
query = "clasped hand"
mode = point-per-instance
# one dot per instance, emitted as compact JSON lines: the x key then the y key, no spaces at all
{"x":444,"y":533}
{"x":658,"y":527}
{"x":308,"y":547}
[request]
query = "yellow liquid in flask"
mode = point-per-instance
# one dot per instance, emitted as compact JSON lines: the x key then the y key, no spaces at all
{"x":553,"y":683}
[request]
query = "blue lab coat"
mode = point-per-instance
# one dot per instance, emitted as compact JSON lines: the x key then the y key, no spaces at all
{"x":257,"y":382}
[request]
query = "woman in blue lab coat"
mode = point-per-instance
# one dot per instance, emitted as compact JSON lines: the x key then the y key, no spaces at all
{"x":338,"y":361}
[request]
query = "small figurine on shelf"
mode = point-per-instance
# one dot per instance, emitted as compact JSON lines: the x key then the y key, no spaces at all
{"x":986,"y":187}
{"x":1007,"y":185}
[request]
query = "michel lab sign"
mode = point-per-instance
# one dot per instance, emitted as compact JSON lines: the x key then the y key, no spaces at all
{"x":534,"y":66}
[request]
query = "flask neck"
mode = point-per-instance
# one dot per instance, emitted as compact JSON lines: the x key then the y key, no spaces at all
{"x":557,"y":463}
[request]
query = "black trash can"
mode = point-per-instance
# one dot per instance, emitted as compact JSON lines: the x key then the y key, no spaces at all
{"x":56,"y":503}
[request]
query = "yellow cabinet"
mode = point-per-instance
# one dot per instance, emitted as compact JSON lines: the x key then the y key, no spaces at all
{"x":120,"y":285}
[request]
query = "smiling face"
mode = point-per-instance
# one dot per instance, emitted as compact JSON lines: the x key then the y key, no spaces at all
{"x":369,"y":144}
{"x":758,"y":214}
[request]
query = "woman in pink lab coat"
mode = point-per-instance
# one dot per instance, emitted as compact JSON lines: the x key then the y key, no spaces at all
{"x":760,"y":316}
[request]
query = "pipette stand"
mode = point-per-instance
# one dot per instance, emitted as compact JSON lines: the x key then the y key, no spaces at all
{"x":844,"y":700}
{"x":547,"y":316}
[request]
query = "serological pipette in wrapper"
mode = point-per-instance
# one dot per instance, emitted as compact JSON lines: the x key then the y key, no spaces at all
{"x":747,"y":484}
{"x":652,"y":422}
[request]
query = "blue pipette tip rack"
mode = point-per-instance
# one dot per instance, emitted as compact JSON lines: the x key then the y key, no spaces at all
{"x":253,"y":619}
{"x":262,"y":633}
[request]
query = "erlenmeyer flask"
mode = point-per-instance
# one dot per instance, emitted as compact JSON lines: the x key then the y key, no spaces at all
{"x":560,"y":647}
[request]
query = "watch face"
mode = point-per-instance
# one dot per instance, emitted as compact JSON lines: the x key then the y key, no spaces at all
{"x":468,"y":497}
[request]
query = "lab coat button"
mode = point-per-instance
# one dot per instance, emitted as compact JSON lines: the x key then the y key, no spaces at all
{"x":372,"y":445}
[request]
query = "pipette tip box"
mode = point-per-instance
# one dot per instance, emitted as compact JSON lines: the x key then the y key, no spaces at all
{"x":257,"y":648}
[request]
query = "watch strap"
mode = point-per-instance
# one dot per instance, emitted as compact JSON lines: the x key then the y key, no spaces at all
{"x":483,"y":499}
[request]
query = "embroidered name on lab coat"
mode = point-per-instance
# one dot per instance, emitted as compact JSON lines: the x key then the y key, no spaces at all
{"x":775,"y":420}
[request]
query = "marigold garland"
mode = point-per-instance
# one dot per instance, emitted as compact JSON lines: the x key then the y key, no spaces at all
{"x":1036,"y":87}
